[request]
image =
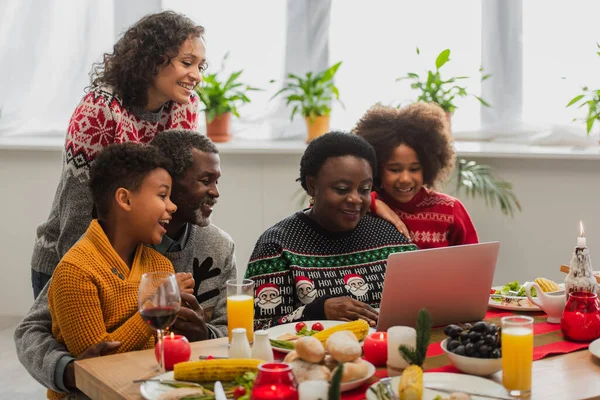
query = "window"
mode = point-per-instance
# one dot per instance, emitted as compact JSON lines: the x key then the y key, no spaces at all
{"x":559,"y":57}
{"x":376,"y":41}
{"x":254,"y":35}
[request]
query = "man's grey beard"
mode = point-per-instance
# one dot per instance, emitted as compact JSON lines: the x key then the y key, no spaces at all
{"x":200,"y":219}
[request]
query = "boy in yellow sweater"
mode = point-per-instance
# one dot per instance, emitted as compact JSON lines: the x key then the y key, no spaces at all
{"x":93,"y":292}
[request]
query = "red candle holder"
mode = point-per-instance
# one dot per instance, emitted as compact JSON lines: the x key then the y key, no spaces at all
{"x":581,"y":317}
{"x":375,"y":348}
{"x":177,"y":349}
{"x":274,"y":381}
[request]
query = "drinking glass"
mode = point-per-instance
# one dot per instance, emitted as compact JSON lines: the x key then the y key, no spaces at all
{"x":274,"y":381}
{"x":517,"y":355}
{"x":159,"y":301}
{"x":240,"y":307}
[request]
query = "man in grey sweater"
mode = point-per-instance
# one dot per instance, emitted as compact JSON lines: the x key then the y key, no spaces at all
{"x":192,"y":244}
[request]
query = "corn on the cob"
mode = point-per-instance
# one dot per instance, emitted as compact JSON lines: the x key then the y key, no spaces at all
{"x":214,"y":370}
{"x":411,"y":383}
{"x":547,"y":285}
{"x":360,"y":328}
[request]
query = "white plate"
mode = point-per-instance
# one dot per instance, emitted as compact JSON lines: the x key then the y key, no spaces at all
{"x":595,"y":348}
{"x":447,"y":380}
{"x":153,"y":390}
{"x":356,"y":383}
{"x":279,"y":330}
{"x":515,"y":303}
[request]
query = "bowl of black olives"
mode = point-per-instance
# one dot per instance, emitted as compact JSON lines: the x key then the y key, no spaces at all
{"x":474,"y":349}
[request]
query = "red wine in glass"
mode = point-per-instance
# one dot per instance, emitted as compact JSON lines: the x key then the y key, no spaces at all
{"x":159,"y":302}
{"x":159,"y":317}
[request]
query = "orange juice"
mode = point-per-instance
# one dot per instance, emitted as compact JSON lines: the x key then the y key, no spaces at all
{"x":517,"y":358}
{"x":240,"y":314}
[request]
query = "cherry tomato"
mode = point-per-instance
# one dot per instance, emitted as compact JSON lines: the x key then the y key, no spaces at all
{"x":299,"y":326}
{"x":239,"y":392}
{"x":317,"y":326}
{"x":492,"y":291}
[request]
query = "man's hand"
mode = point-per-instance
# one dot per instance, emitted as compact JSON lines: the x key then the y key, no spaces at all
{"x":185,"y":280}
{"x":385,"y":212}
{"x":97,"y":350}
{"x":348,"y":309}
{"x":190,"y":319}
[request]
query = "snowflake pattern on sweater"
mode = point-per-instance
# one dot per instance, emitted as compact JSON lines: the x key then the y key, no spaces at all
{"x":100,"y":119}
{"x":296,"y":264}
{"x":435,"y":219}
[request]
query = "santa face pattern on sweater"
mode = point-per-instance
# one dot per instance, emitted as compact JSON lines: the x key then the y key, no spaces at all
{"x":296,"y":262}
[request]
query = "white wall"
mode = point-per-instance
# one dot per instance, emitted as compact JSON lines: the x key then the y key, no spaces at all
{"x":257,"y":191}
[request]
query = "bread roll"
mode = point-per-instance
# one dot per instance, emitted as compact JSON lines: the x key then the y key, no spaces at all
{"x":354,"y":370}
{"x":343,"y":346}
{"x":305,"y":371}
{"x":291,"y":356}
{"x":310,"y":349}
{"x":330,"y":362}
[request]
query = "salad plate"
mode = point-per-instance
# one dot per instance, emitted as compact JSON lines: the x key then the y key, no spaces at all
{"x":280,"y":332}
{"x":501,"y":299}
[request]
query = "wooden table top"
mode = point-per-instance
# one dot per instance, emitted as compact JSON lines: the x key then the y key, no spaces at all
{"x":570,"y":376}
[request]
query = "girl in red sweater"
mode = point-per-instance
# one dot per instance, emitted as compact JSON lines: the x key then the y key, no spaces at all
{"x":415,"y":154}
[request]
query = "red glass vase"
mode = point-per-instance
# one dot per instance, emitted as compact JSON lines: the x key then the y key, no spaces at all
{"x":580,"y":320}
{"x":274,"y":381}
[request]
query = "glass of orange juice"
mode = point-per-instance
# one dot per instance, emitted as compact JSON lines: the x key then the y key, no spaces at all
{"x":517,"y":355}
{"x":240,"y":306}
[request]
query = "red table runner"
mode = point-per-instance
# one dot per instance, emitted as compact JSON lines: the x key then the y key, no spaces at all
{"x":547,"y":340}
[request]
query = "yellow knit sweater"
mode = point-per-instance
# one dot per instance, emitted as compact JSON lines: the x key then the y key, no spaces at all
{"x":93,"y":295}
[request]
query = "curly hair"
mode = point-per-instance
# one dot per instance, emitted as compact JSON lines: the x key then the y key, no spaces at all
{"x":150,"y":43}
{"x":421,"y":126}
{"x":333,"y":144}
{"x":177,"y":145}
{"x":123,"y":165}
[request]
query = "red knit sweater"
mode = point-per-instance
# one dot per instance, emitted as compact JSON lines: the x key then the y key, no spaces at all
{"x":435,"y":219}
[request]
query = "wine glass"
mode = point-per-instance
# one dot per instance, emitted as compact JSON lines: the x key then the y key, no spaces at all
{"x":159,"y":301}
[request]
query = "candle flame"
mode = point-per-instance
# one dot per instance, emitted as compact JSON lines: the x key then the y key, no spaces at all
{"x":172,"y":336}
{"x":581,"y":231}
{"x":381,"y":336}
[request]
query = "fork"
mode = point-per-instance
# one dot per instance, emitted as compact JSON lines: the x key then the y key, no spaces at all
{"x":387,"y":383}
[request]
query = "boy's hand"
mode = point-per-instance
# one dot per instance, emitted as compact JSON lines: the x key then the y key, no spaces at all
{"x":349,"y":309}
{"x":185,"y":280}
{"x":97,"y":350}
{"x":190,"y":320}
{"x":384,"y":212}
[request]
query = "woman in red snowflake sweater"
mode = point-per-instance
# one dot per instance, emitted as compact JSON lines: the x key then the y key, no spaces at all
{"x":415,"y":154}
{"x":145,"y":86}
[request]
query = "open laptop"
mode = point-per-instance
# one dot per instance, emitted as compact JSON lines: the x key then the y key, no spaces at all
{"x":452,"y":283}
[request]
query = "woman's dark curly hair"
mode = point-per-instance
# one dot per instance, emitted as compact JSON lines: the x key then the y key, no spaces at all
{"x":122,"y":165}
{"x":136,"y":58}
{"x":421,"y":126}
{"x":177,"y":145}
{"x":333,"y":144}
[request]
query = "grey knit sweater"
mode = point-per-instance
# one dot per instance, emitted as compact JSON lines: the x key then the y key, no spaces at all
{"x":208,"y":255}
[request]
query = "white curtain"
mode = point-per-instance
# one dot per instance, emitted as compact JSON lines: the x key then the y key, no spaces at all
{"x":47,"y":49}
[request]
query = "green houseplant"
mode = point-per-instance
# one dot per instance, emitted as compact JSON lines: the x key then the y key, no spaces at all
{"x":312,"y":95}
{"x":441,"y":90}
{"x":221,"y":98}
{"x":475,"y":180}
{"x":591,"y":99}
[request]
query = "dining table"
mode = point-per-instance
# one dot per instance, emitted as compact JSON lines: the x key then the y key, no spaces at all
{"x":561,"y":374}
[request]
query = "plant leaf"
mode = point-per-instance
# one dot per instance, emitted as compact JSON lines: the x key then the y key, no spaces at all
{"x":575,"y":99}
{"x":442,"y":58}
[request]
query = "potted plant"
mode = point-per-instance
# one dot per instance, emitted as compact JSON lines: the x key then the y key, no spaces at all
{"x":312,"y":96}
{"x":442,"y":91}
{"x":591,"y":98}
{"x":220,"y":98}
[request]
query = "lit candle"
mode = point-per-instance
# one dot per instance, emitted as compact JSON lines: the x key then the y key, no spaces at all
{"x":375,"y":348}
{"x":177,"y":349}
{"x":581,"y":239}
{"x":396,"y":336}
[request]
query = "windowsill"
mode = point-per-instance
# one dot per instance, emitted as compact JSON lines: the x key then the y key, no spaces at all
{"x":478,"y":149}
